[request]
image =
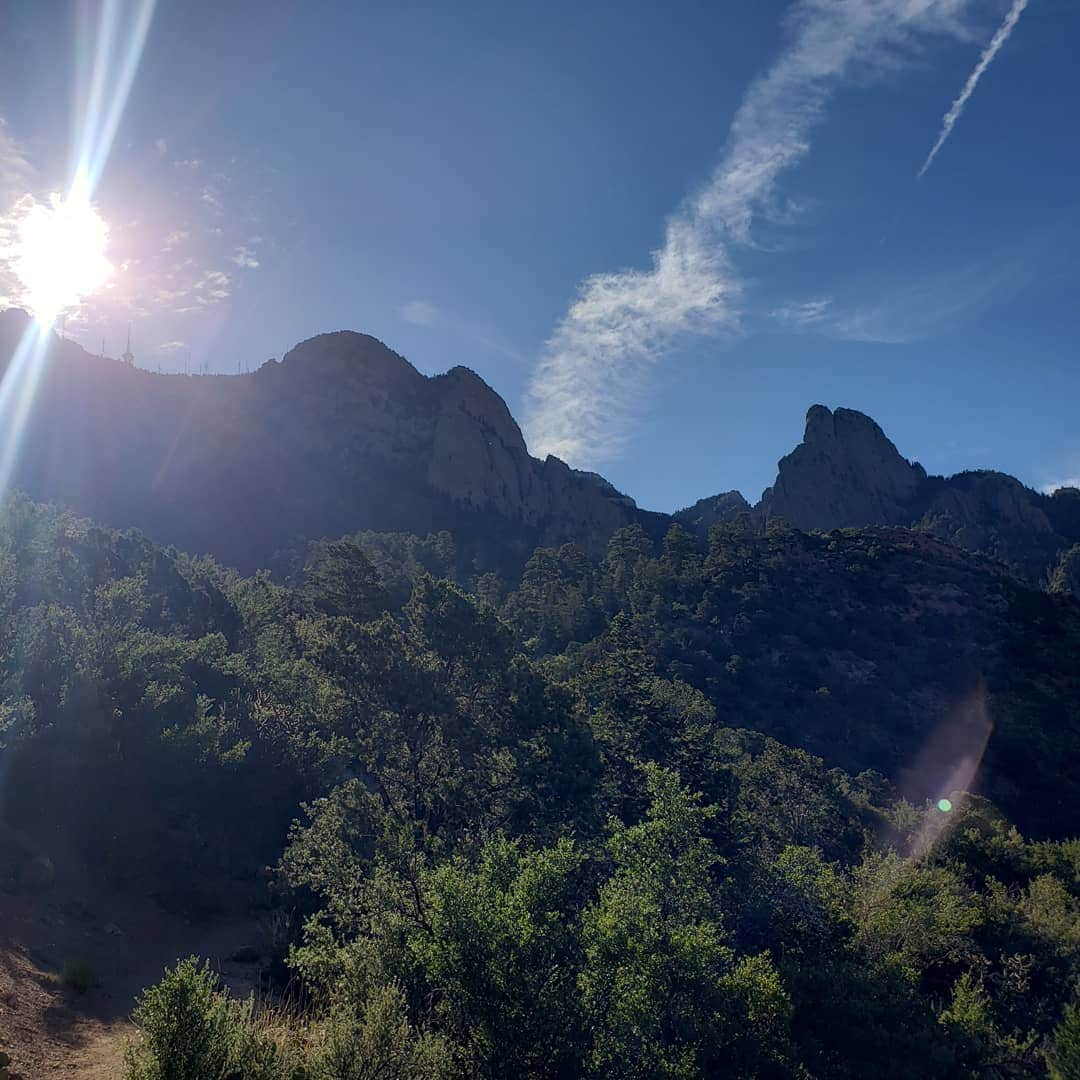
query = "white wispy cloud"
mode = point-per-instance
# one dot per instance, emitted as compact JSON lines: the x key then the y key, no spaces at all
{"x":898,"y":308}
{"x":245,"y":258}
{"x":804,"y":313}
{"x":213,"y":287}
{"x":932,"y":305}
{"x":195,"y":262}
{"x":184,"y":289}
{"x":16,"y":175}
{"x":587,"y":383}
{"x":957,"y":107}
{"x":419,"y":313}
{"x":170,"y":347}
{"x":211,"y":197}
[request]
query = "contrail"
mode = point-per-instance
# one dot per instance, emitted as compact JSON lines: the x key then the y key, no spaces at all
{"x":991,"y":50}
{"x":594,"y":370}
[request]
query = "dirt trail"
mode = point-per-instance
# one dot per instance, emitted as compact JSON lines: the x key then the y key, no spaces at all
{"x":48,"y":1029}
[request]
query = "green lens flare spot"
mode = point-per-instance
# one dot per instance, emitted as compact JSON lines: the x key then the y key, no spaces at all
{"x":944,"y":805}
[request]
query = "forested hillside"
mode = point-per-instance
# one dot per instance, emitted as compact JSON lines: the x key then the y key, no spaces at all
{"x":679,"y":811}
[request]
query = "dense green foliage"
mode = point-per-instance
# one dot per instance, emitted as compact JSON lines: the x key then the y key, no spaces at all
{"x":635,"y":817}
{"x":857,"y":646}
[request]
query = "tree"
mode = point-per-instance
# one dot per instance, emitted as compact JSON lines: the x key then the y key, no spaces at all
{"x":372,"y":1039}
{"x":1063,"y":1057}
{"x":190,"y":1027}
{"x":555,"y":602}
{"x":664,"y":993}
{"x":627,"y":549}
{"x":503,"y":949}
{"x":1065,"y":577}
{"x":340,"y":579}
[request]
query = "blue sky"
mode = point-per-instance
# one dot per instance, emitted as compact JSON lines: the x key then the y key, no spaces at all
{"x":661,"y":232}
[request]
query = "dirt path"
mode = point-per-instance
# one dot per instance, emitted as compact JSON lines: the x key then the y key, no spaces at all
{"x":121,"y":945}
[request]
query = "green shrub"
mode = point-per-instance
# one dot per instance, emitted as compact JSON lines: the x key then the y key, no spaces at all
{"x":189,"y":1027}
{"x":1063,"y":1058}
{"x":78,"y":974}
{"x":376,"y":1040}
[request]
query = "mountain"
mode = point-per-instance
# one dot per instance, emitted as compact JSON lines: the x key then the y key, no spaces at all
{"x":344,"y":435}
{"x":727,"y":506}
{"x":746,"y":798}
{"x":341,"y":435}
{"x":846,"y":473}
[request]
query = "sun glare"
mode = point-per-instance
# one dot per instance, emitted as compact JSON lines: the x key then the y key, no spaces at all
{"x":60,"y":254}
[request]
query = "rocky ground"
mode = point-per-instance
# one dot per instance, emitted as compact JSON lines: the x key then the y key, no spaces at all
{"x":71,"y":966}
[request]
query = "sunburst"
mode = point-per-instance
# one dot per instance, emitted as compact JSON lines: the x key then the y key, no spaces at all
{"x":60,"y":254}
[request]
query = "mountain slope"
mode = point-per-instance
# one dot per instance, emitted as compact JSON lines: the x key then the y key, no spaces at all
{"x":463,"y":812}
{"x":344,"y":435}
{"x":341,"y":435}
{"x":881,"y":648}
{"x":847,"y":474}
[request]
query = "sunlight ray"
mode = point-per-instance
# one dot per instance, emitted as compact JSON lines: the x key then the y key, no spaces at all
{"x":61,"y":248}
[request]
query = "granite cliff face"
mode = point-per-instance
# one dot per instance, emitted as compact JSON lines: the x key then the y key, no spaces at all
{"x":846,"y":473}
{"x":339,"y":436}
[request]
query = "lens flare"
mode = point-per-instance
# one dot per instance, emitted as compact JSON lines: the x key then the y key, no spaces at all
{"x":59,"y":254}
{"x":946,"y":769}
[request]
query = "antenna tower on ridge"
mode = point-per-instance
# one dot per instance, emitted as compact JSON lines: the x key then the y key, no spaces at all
{"x":129,"y":356}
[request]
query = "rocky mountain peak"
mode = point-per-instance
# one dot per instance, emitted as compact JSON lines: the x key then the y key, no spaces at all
{"x":348,"y":357}
{"x":343,"y":434}
{"x":845,"y":472}
{"x":821,"y":423}
{"x":853,"y":433}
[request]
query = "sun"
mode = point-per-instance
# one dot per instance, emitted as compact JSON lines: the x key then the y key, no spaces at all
{"x":59,"y":254}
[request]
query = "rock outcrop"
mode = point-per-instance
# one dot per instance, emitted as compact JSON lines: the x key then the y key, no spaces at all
{"x":844,"y":473}
{"x":1065,"y":576}
{"x":727,"y":506}
{"x":341,"y":435}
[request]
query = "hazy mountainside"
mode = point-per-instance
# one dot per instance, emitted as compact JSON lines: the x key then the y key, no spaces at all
{"x":846,"y":473}
{"x":344,"y":435}
{"x":341,"y":435}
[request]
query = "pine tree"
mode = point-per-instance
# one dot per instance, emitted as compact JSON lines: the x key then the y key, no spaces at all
{"x":1063,"y":1060}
